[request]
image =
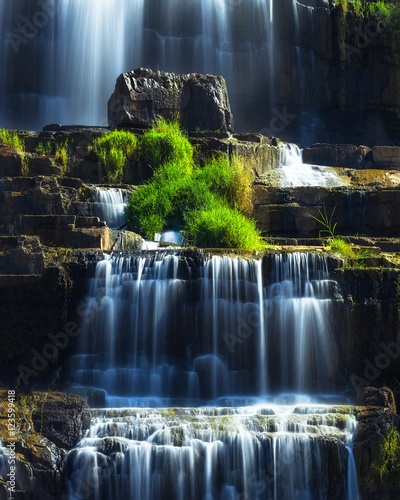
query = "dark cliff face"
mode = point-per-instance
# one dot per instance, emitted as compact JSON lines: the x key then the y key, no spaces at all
{"x":341,"y":79}
{"x":302,"y":71}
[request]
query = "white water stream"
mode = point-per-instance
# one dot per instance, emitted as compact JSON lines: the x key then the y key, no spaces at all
{"x":295,"y":173}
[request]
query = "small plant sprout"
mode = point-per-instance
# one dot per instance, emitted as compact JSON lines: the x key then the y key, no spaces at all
{"x":326,"y":221}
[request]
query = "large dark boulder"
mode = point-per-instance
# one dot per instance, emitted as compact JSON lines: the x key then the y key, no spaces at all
{"x":143,"y":95}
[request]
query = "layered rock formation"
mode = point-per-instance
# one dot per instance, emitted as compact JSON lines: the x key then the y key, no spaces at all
{"x":50,"y":233}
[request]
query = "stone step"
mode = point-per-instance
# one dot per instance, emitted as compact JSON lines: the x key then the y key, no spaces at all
{"x":291,"y":212}
{"x":68,"y":231}
{"x":13,"y":280}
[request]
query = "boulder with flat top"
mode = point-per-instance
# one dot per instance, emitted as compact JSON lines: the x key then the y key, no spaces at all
{"x":143,"y":96}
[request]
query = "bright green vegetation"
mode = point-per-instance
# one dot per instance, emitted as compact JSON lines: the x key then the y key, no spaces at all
{"x":113,"y":151}
{"x":209,"y":203}
{"x":161,"y":202}
{"x":11,"y":139}
{"x":165,"y":143}
{"x":354,"y":257}
{"x":383,"y":11}
{"x":222,"y":227}
{"x":340,"y":4}
{"x":339,"y":245}
{"x":45,"y":149}
{"x":390,"y":455}
{"x":59,"y":151}
{"x":61,"y":154}
{"x":326,"y":221}
{"x":229,"y":179}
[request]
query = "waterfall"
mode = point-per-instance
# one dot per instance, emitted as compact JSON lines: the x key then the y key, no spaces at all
{"x":267,"y":452}
{"x":111,"y":205}
{"x":60,"y":58}
{"x":160,"y":328}
{"x":295,"y":173}
{"x":171,"y":236}
{"x":205,"y":361}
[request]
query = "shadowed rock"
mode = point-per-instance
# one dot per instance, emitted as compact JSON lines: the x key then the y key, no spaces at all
{"x":143,"y":96}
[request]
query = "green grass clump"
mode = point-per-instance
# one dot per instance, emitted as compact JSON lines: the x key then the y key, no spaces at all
{"x":380,"y":9}
{"x":353,"y":257}
{"x":61,"y":155}
{"x":209,"y":203}
{"x":11,"y":139}
{"x":390,"y":455}
{"x":113,"y":151}
{"x":222,"y":227}
{"x":44,"y":149}
{"x":339,"y":245}
{"x":387,"y":13}
{"x":228,"y":179}
{"x":383,"y":11}
{"x":165,"y":143}
{"x":162,"y":201}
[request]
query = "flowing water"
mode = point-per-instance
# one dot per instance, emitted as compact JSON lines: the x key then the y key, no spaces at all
{"x":111,"y":203}
{"x":253,"y":453}
{"x":171,"y":236}
{"x":62,"y":57}
{"x":295,"y":173}
{"x":161,"y":328}
{"x":204,"y":361}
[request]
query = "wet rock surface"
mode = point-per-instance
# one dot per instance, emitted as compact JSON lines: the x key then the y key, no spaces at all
{"x":48,"y":425}
{"x":33,"y":274}
{"x":374,"y":443}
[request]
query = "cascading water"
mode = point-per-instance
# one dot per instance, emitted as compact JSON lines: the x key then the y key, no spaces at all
{"x":295,"y":173}
{"x":223,"y":328}
{"x":111,"y":203}
{"x":63,"y":68}
{"x":178,"y":331}
{"x":171,"y":236}
{"x":258,"y":453}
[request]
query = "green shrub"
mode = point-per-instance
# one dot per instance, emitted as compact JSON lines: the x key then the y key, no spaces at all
{"x":161,"y":202}
{"x":113,"y":150}
{"x":383,"y":11}
{"x":11,"y":139}
{"x":387,"y":13}
{"x":209,"y":203}
{"x":222,"y":227}
{"x":358,"y":5}
{"x":341,"y":5}
{"x":166,"y":143}
{"x":380,"y":9}
{"x":228,"y":179}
